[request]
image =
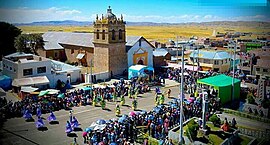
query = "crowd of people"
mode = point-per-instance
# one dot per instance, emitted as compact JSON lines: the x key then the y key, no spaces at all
{"x":156,"y":122}
{"x":75,"y":97}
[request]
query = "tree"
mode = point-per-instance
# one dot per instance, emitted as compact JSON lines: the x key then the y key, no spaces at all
{"x":215,"y":120}
{"x":8,"y":32}
{"x":192,"y":129}
{"x":29,"y":43}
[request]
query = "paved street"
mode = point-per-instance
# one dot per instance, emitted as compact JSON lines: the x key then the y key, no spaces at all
{"x":18,"y":132}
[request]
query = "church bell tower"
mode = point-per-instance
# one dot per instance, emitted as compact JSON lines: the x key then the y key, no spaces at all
{"x":109,"y":41}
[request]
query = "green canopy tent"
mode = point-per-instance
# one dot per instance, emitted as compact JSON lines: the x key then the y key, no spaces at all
{"x":42,"y":93}
{"x":62,"y":95}
{"x":223,"y":84}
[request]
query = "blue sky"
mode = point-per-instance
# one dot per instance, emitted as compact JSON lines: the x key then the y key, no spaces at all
{"x":172,"y":11}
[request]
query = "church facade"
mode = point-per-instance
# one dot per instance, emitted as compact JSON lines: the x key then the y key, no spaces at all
{"x":108,"y":46}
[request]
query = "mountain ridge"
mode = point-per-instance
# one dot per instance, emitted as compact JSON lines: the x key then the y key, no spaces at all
{"x":87,"y":23}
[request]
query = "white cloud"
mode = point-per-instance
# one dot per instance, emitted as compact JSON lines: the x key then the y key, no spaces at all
{"x":251,"y":18}
{"x":165,"y":19}
{"x":25,"y":15}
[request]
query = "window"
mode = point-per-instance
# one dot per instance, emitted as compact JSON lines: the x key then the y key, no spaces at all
{"x":14,"y":70}
{"x":265,"y":70}
{"x":41,"y":70}
{"x":4,"y":65}
{"x":216,"y":62}
{"x":206,"y":61}
{"x":140,"y":43}
{"x":10,"y":68}
{"x":28,"y":72}
{"x":97,"y":34}
{"x":113,"y":35}
{"x":226,"y":61}
{"x":120,"y":35}
{"x":221,"y":61}
{"x":257,"y":69}
{"x":103,"y":34}
{"x":72,"y":51}
{"x":55,"y":54}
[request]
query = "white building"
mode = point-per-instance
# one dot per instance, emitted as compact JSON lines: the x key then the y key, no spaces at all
{"x":139,"y":51}
{"x":32,"y":70}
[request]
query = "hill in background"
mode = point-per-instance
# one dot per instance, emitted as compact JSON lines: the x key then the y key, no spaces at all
{"x":156,"y":31}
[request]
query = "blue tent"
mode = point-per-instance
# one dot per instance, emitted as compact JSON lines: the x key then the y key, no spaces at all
{"x":5,"y":82}
{"x":138,"y":70}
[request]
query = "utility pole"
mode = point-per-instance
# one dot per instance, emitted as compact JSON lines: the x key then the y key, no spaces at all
{"x":181,"y":98}
{"x":91,"y":72}
{"x":233,"y":71}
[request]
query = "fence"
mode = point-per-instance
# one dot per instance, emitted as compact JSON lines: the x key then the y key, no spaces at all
{"x":246,"y":115}
{"x":254,"y":133}
{"x":230,"y":140}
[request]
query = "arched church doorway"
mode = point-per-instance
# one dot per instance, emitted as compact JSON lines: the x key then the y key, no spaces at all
{"x":140,"y":62}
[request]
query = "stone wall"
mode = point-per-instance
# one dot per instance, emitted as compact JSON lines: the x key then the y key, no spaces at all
{"x":95,"y":77}
{"x":254,"y":133}
{"x":230,"y":140}
{"x":250,"y":108}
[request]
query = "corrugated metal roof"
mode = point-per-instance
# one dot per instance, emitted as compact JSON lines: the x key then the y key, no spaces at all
{"x":48,"y":45}
{"x":211,"y":54}
{"x":131,"y":40}
{"x":54,"y":39}
{"x":18,"y":54}
{"x":160,"y":52}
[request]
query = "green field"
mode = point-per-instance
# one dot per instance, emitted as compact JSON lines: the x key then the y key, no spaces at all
{"x":158,"y":33}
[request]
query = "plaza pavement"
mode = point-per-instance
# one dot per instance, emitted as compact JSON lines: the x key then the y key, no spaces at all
{"x":16,"y":131}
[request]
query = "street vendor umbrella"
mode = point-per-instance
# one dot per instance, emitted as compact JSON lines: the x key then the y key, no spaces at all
{"x":121,"y":119}
{"x":143,"y":112}
{"x":150,"y":117}
{"x":100,"y":127}
{"x":173,"y":105}
{"x":132,"y":113}
{"x":42,"y":93}
{"x":62,"y":95}
{"x":113,"y":143}
{"x":157,"y":109}
{"x":87,"y":88}
{"x":191,"y":99}
{"x":100,"y":121}
{"x":124,"y":116}
{"x":88,"y":129}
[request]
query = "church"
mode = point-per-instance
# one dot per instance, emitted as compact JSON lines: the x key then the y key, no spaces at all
{"x":108,"y":46}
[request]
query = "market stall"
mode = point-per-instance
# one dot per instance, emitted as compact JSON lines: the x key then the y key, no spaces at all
{"x":140,"y":71}
{"x":223,"y":84}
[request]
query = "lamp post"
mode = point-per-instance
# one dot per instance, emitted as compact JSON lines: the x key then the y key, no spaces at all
{"x":181,"y":97}
{"x":91,"y":71}
{"x":233,"y":71}
{"x":233,"y":44}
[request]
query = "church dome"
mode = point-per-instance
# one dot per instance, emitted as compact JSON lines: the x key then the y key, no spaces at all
{"x":109,"y":14}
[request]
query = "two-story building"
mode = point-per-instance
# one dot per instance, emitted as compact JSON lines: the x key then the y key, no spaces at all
{"x":212,"y":60}
{"x":33,"y":70}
